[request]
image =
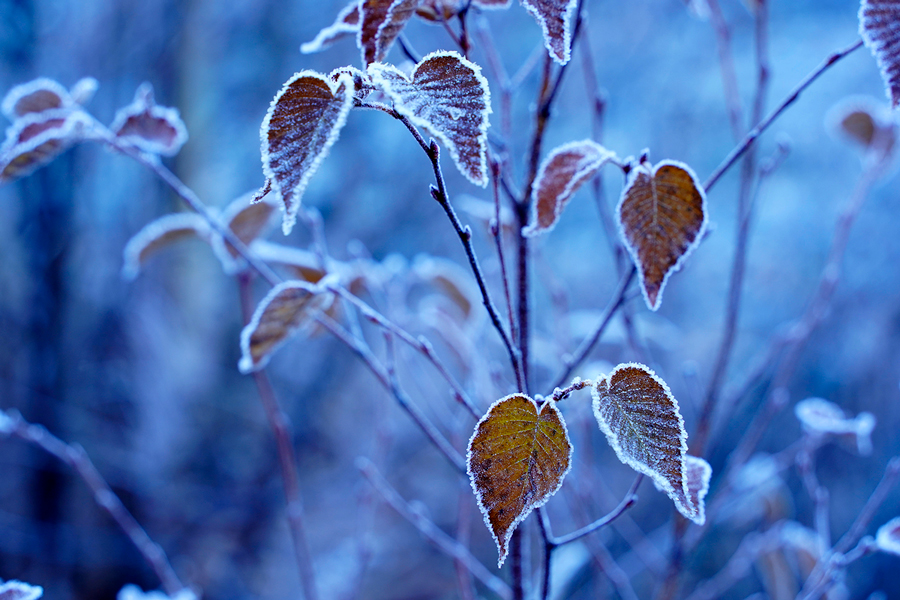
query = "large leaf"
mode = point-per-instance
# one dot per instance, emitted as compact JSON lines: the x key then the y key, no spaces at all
{"x":662,"y":215}
{"x":561,"y":174}
{"x":381,"y":23}
{"x":517,"y":459}
{"x":447,"y":95}
{"x":346,"y":23}
{"x":152,"y":128}
{"x":303,"y":122}
{"x":35,"y":139}
{"x":643,"y":424}
{"x":159,"y":234}
{"x":879,"y":26}
{"x":556,"y":20}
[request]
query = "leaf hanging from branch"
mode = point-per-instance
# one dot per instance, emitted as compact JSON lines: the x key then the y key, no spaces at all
{"x":865,"y":121}
{"x":346,"y":23}
{"x":159,"y":234}
{"x":448,"y":97}
{"x":879,"y":26}
{"x":152,"y":128}
{"x":662,"y":216}
{"x":438,"y":11}
{"x":642,"y":422}
{"x":556,"y":20}
{"x":561,"y":174}
{"x":381,"y":23}
{"x":247,"y":220}
{"x":517,"y":459}
{"x":36,"y":138}
{"x":36,"y":96}
{"x":303,"y":122}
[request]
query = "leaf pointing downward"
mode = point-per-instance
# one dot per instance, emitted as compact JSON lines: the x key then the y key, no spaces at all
{"x":662,"y":215}
{"x":643,"y":424}
{"x":555,"y":18}
{"x":879,"y":26}
{"x":303,"y":122}
{"x":448,"y":96}
{"x":517,"y":459}
{"x":381,"y":23}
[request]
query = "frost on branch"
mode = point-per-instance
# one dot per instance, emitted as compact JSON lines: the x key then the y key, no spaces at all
{"x":556,"y":20}
{"x":821,"y":417}
{"x":133,"y":592}
{"x":661,"y":216}
{"x":879,"y":26}
{"x":561,"y":174}
{"x":346,"y":23}
{"x":381,"y":23}
{"x":303,"y":122}
{"x":16,"y":590}
{"x":280,"y":314}
{"x":151,"y":128}
{"x":888,"y":537}
{"x":247,"y":220}
{"x":643,"y":424}
{"x":158,"y":234}
{"x":517,"y":459}
{"x":447,"y":96}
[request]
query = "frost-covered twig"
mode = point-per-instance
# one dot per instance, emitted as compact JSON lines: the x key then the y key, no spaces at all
{"x":629,"y":499}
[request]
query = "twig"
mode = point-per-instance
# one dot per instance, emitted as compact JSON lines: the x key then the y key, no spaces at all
{"x":629,"y":499}
{"x":726,"y":65}
{"x":77,"y":459}
{"x":737,"y":567}
{"x":563,"y":393}
{"x":497,"y":234}
{"x":435,"y":534}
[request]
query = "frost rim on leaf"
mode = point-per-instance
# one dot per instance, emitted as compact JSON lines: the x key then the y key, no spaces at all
{"x":687,"y":251}
{"x":333,"y":32}
{"x":155,"y":229}
{"x":888,"y":537}
{"x":344,"y":79}
{"x":69,"y":132}
{"x":144,"y":103}
{"x":8,"y":107}
{"x":878,"y":46}
{"x":478,"y":496}
{"x":531,"y":7}
{"x":21,"y":590}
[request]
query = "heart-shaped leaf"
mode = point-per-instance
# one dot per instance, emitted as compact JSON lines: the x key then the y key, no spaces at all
{"x":643,"y":424}
{"x":346,"y":23}
{"x":888,"y":537}
{"x":247,"y":219}
{"x":280,"y":314}
{"x":36,"y":96}
{"x":381,"y":23}
{"x":662,"y":215}
{"x":303,"y":122}
{"x":561,"y":174}
{"x":152,"y":128}
{"x":517,"y":459}
{"x":879,"y":26}
{"x":16,"y":590}
{"x":36,"y":138}
{"x":447,"y":95}
{"x":556,"y":20}
{"x":158,"y":234}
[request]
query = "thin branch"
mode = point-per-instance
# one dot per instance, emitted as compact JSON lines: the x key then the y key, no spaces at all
{"x":884,"y":487}
{"x":629,"y":499}
{"x":726,"y":65}
{"x":497,"y":234}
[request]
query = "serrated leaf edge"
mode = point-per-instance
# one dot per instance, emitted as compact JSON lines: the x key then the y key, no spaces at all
{"x":545,"y":30}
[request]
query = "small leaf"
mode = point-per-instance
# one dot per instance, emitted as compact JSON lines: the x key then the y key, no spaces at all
{"x":517,"y":459}
{"x":83,"y":90}
{"x":381,"y":23}
{"x":888,"y":537}
{"x":16,"y":590}
{"x":866,"y":122}
{"x":555,"y":18}
{"x":303,"y":122}
{"x":154,"y":129}
{"x":451,"y":279}
{"x":448,"y":96}
{"x":819,"y":416}
{"x":643,"y":424}
{"x":879,"y":26}
{"x":36,"y":96}
{"x":159,"y":234}
{"x":247,"y":220}
{"x":561,"y":174}
{"x":662,"y":216}
{"x":280,"y":314}
{"x":35,"y":139}
{"x":438,"y":11}
{"x":303,"y":264}
{"x":346,"y":23}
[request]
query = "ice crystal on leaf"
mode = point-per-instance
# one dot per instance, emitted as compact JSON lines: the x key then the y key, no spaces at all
{"x":159,"y":234}
{"x":346,"y":23}
{"x":35,"y":139}
{"x":35,"y":96}
{"x":381,"y":23}
{"x":151,"y":128}
{"x":879,"y":26}
{"x":556,"y":20}
{"x":820,"y":417}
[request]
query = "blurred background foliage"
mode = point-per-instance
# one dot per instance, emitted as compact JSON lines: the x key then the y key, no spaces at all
{"x":143,"y":374}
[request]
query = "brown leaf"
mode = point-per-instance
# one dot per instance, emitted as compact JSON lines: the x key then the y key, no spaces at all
{"x":37,"y":138}
{"x":152,"y":128}
{"x":662,"y":215}
{"x":561,"y":174}
{"x":16,"y":590}
{"x":303,"y":122}
{"x":448,"y":96}
{"x":280,"y":314}
{"x":451,"y":279}
{"x":247,"y":220}
{"x":517,"y":459}
{"x":867,"y":122}
{"x":438,"y":11}
{"x":381,"y":23}
{"x":159,"y":234}
{"x":698,"y":476}
{"x":556,"y":18}
{"x":642,"y":422}
{"x":302,"y":264}
{"x":36,"y":96}
{"x":879,"y":26}
{"x":346,"y":23}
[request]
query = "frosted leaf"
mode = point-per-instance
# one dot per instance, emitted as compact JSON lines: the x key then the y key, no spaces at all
{"x":83,"y":90}
{"x":561,"y":174}
{"x":452,"y":280}
{"x":247,"y":220}
{"x":819,"y":416}
{"x":662,"y":216}
{"x":346,"y":23}
{"x":151,"y":128}
{"x":888,"y":537}
{"x":159,"y":234}
{"x":438,"y":11}
{"x":35,"y":139}
{"x":381,"y":23}
{"x":35,"y":96}
{"x":879,"y":26}
{"x":280,"y":314}
{"x":517,"y":459}
{"x":556,"y":20}
{"x":492,"y":4}
{"x":643,"y":424}
{"x":303,"y":122}
{"x":698,"y":474}
{"x":866,"y":122}
{"x":16,"y":590}
{"x":446,"y":95}
{"x":302,"y":264}
{"x":133,"y":592}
